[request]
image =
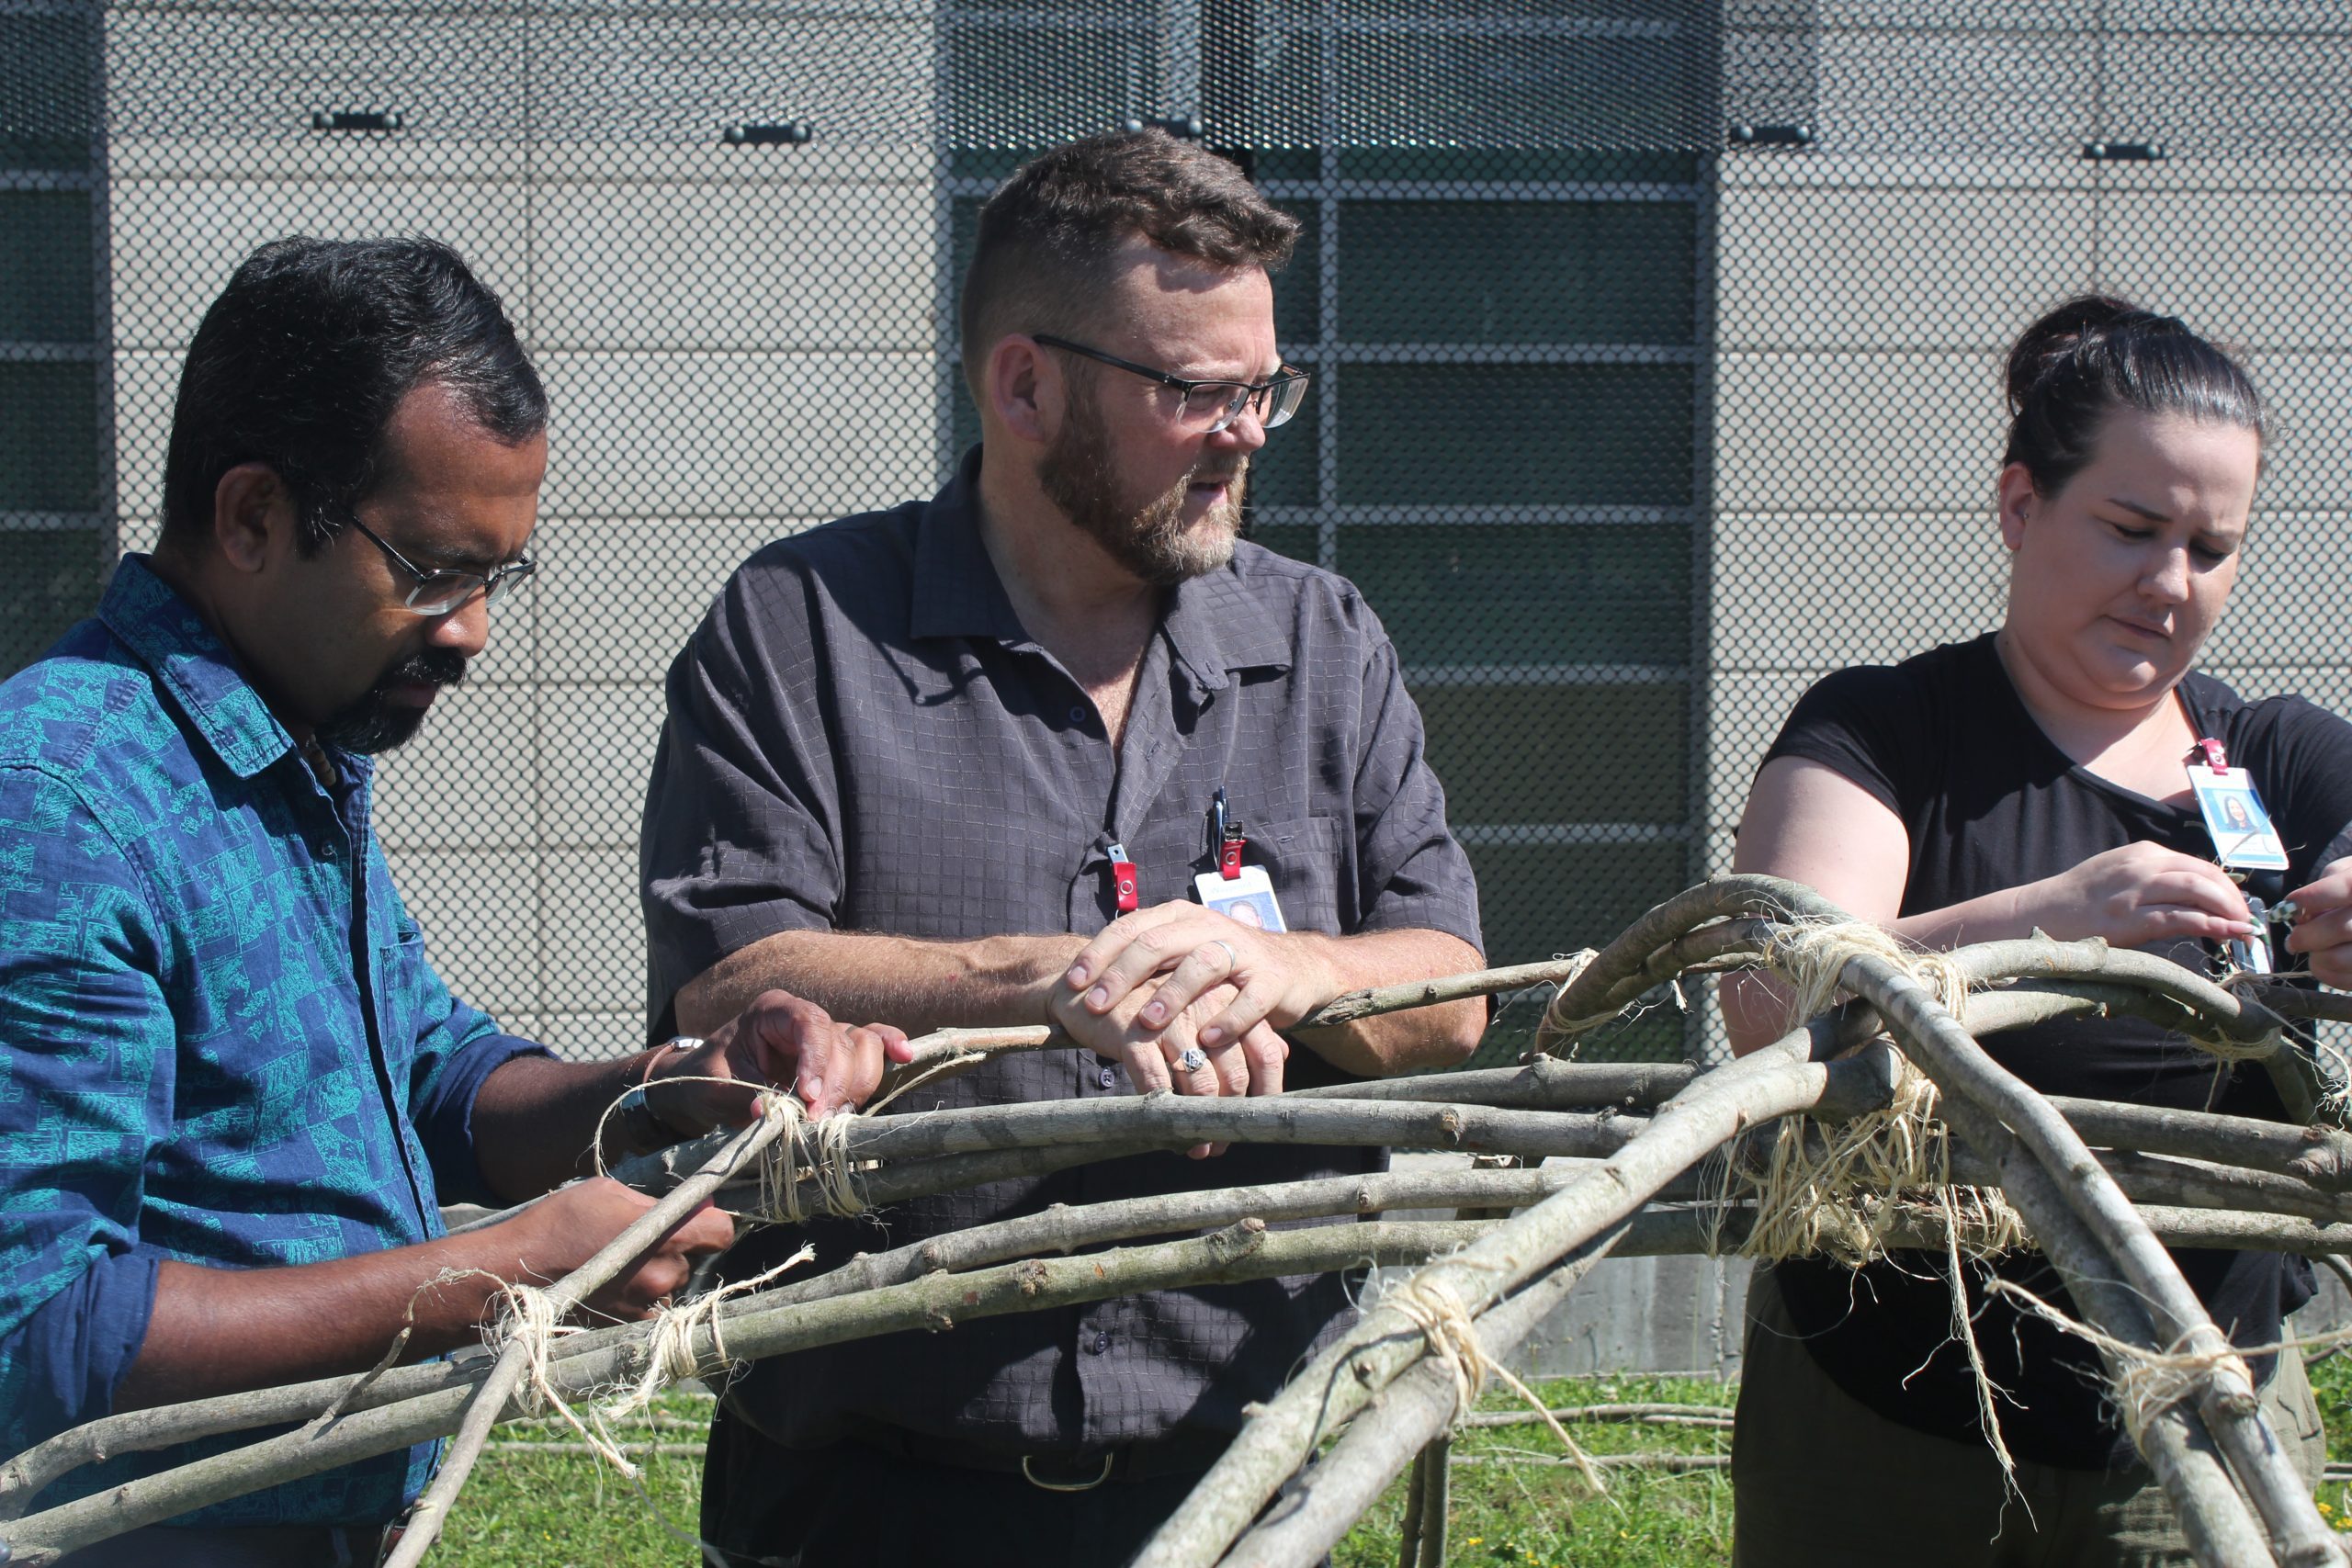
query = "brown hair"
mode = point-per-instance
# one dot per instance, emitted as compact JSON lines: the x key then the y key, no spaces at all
{"x":2095,"y":353}
{"x":1047,"y":238}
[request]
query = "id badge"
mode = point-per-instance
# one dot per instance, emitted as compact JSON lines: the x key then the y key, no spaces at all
{"x":1247,"y":898}
{"x":2242,"y":837}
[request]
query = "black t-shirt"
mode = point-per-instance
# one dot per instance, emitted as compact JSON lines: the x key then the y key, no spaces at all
{"x":1990,"y":802}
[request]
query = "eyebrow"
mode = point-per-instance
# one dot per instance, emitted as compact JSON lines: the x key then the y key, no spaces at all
{"x":2150,"y":512}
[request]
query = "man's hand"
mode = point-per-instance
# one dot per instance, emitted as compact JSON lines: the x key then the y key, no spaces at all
{"x":1155,"y":1058}
{"x":1276,"y":977}
{"x":2323,"y":924}
{"x":780,"y":1040}
{"x":572,"y":1224}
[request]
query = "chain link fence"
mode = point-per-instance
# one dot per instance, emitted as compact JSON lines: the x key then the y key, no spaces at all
{"x":1656,"y":346}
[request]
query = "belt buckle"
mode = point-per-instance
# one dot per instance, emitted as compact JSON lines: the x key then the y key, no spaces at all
{"x":1030,"y":1476}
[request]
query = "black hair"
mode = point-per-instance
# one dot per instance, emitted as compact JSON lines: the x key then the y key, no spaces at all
{"x":1047,"y":238}
{"x":304,"y":358}
{"x":2095,"y":353}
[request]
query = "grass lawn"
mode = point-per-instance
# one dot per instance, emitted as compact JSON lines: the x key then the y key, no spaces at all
{"x":546,"y":1510}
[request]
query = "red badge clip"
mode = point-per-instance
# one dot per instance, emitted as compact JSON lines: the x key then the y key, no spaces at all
{"x":1225,"y":833}
{"x":1229,"y":857}
{"x":1122,"y":880}
{"x":2215,"y":758}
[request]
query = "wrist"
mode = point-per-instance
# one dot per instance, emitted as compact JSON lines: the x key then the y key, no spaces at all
{"x":649,"y":1108}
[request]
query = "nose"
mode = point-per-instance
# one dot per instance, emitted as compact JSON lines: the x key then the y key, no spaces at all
{"x":1245,"y":434}
{"x":2166,"y":578}
{"x":464,"y":629}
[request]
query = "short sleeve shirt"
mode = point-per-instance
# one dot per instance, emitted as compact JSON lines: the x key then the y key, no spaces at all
{"x":1990,"y":802}
{"x":862,"y":737}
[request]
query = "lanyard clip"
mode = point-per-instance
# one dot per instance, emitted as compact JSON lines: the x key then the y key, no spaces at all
{"x":2215,"y":758}
{"x":1225,"y":833}
{"x":1123,"y":881}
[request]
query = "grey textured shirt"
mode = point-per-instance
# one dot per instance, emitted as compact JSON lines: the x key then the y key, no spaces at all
{"x":861,"y":737}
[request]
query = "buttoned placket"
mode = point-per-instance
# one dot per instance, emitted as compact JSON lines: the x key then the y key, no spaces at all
{"x":337,"y":846}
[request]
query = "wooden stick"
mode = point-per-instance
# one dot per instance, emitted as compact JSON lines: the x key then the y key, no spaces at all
{"x":1238,"y":1253}
{"x":1278,"y":1440}
{"x":489,"y":1404}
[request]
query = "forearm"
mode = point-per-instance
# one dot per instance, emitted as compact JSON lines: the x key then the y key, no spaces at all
{"x":1756,"y":1004}
{"x":1436,"y":1036}
{"x":917,"y":985}
{"x":227,"y":1330}
{"x":535,"y":1120}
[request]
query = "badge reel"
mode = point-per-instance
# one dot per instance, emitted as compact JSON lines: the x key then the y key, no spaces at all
{"x":2244,"y":840}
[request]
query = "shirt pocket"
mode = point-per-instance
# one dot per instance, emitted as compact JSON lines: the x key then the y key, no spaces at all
{"x":400,"y":995}
{"x":1311,"y":861}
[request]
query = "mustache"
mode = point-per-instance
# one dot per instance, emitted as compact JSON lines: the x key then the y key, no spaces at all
{"x":433,"y":667}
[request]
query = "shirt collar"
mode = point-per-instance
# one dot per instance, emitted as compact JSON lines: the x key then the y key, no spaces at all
{"x":1214,"y":622}
{"x":164,"y":631}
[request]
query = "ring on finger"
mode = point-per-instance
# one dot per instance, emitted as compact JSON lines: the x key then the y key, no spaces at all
{"x":1193,"y":1059}
{"x":1232,"y":959}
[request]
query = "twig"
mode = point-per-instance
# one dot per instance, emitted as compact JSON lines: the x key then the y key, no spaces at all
{"x":1238,"y":1253}
{"x":1770,"y":1082}
{"x":490,"y":1401}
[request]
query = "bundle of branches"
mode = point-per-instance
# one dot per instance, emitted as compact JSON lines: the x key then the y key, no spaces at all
{"x":1598,"y":1158}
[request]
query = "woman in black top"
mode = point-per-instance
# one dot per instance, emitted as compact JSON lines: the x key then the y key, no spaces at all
{"x":2036,"y":778}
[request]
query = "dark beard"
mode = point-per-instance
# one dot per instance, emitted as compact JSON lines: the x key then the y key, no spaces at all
{"x":1150,"y":540}
{"x":374,"y":723}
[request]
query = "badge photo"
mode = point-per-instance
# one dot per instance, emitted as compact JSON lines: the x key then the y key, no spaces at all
{"x":1247,"y":898}
{"x":2243,"y":836}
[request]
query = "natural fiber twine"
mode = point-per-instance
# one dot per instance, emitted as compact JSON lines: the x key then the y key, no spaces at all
{"x":1840,"y":1191}
{"x":1433,"y":1308}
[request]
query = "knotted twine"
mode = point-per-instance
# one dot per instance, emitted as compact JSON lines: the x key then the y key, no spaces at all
{"x":1555,"y":1026}
{"x":1840,"y":1191}
{"x":2149,"y":1382}
{"x":1434,"y":1309}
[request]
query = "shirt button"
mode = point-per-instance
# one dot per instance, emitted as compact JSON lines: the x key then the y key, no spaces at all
{"x":1078,"y":715}
{"x":328,"y":850}
{"x":1098,"y":1345}
{"x":1109,"y":1078}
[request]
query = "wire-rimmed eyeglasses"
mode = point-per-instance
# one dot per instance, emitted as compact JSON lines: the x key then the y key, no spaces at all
{"x":1209,"y":406}
{"x":439,"y":592}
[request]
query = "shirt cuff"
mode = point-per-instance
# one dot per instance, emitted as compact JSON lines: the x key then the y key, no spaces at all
{"x":445,"y":1122}
{"x":73,"y":1352}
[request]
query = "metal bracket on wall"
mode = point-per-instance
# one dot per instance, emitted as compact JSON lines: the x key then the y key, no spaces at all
{"x":2125,"y":152}
{"x":354,"y":120}
{"x":769,"y":133}
{"x":1747,"y":135}
{"x":1184,"y":128}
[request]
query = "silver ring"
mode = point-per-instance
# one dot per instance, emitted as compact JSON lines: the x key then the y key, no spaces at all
{"x":1232,"y":959}
{"x":1193,"y":1059}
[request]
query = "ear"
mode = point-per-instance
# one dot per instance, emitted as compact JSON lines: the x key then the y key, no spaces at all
{"x":251,"y":510}
{"x":1025,"y":388}
{"x":2019,"y":503}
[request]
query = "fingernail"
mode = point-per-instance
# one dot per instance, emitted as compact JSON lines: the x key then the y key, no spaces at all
{"x":1098,"y":997}
{"x":812,"y":1090}
{"x":1154,"y":1014}
{"x":1077,"y":975}
{"x":1210,"y":1036}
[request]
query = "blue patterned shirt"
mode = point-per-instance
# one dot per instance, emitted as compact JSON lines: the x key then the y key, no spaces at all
{"x":220,"y":1039}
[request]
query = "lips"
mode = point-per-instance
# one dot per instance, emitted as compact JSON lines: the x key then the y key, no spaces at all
{"x":2142,"y":628}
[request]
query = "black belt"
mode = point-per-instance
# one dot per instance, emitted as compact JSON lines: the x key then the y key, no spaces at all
{"x":1082,"y":1470}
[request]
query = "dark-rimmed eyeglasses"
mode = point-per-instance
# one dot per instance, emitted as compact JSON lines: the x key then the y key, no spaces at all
{"x":439,"y":592}
{"x":1209,"y":406}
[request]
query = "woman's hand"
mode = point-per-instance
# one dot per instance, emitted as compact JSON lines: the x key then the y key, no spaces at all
{"x":2323,"y":924}
{"x":2137,"y":895}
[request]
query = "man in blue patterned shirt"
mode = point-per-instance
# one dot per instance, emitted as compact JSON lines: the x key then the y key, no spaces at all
{"x":232,"y":1092}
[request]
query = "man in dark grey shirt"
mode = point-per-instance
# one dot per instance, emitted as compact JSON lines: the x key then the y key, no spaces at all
{"x":917,"y":763}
